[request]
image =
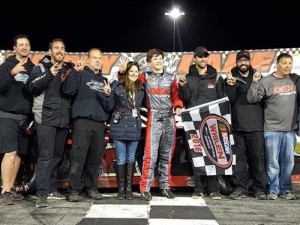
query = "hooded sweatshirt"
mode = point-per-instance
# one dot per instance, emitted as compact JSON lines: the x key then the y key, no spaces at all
{"x":246,"y":116}
{"x":14,"y":98}
{"x":86,"y":87}
{"x":201,"y":89}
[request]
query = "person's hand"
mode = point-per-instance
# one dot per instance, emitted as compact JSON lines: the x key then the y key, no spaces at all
{"x":182,"y":78}
{"x":178,"y":111}
{"x":257,"y":76}
{"x":20,"y":67}
{"x":79,"y":65}
{"x":107,"y":88}
{"x":55,"y":68}
{"x":123,"y":65}
{"x":230,"y":79}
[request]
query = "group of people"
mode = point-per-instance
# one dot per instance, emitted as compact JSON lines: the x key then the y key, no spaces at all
{"x":61,"y":95}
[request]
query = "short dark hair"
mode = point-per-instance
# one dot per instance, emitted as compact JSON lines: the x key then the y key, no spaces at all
{"x":18,"y":37}
{"x":56,"y":40}
{"x":283,"y":55}
{"x":152,"y":52}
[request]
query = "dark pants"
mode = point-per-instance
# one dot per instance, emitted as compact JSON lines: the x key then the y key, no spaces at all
{"x":204,"y":184}
{"x":87,"y":151}
{"x":250,"y":156}
{"x":51,"y":144}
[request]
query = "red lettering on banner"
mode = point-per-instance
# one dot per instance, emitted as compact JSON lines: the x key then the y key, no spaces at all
{"x":215,"y":136}
{"x":196,"y":142}
{"x":259,"y":59}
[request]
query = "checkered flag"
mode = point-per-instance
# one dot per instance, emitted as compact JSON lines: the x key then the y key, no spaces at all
{"x":208,"y":132}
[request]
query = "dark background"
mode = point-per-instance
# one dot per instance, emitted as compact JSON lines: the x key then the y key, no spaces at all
{"x":136,"y":26}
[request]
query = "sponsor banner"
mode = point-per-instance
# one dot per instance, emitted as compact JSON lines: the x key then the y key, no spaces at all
{"x":208,"y":133}
{"x":223,"y":61}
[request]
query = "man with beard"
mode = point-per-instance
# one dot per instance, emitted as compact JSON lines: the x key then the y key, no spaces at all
{"x":15,"y":106}
{"x":247,"y":125}
{"x":51,"y":115}
{"x":200,"y":86}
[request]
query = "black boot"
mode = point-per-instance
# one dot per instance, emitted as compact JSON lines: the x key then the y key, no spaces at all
{"x":120,"y":171}
{"x":130,"y":170}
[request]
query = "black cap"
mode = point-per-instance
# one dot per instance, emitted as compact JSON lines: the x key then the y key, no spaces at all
{"x":201,"y":51}
{"x":242,"y":53}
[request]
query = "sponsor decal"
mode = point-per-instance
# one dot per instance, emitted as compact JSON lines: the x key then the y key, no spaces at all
{"x":211,"y":85}
{"x":152,"y":79}
{"x":21,"y":77}
{"x":215,"y":141}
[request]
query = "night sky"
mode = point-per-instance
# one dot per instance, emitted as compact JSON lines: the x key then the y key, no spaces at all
{"x":136,"y":26}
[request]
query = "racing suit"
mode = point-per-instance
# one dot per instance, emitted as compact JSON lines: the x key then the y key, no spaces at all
{"x":161,"y":98}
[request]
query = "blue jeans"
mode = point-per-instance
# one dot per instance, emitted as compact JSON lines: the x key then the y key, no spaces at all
{"x":125,"y":151}
{"x":280,"y":160}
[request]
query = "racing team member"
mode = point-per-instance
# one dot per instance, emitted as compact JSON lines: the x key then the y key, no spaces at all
{"x":161,"y":90}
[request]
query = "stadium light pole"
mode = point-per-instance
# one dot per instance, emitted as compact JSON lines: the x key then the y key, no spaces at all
{"x":175,"y":14}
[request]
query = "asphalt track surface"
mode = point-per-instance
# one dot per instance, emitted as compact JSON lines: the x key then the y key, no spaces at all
{"x":184,"y":210}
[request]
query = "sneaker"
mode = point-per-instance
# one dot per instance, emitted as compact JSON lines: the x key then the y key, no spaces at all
{"x":260,"y":195}
{"x":167,"y":193}
{"x":56,"y":195}
{"x":74,"y":196}
{"x":16,"y":196}
{"x":41,"y":202}
{"x":197,"y":194}
{"x":288,"y":196}
{"x":237,"y":195}
{"x":93,"y":193}
{"x":6,"y":198}
{"x":272,"y":196}
{"x":215,"y":195}
{"x":146,"y":196}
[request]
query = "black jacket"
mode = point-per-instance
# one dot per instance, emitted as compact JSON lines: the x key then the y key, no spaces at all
{"x":245,"y":116}
{"x":51,"y":106}
{"x":14,"y":97}
{"x":201,"y":89}
{"x":126,"y":127}
{"x":86,"y":87}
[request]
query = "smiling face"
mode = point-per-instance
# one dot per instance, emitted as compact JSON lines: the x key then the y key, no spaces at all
{"x":201,"y":62}
{"x":243,"y":64}
{"x":95,"y":60}
{"x":157,"y":63}
{"x":133,"y":74}
{"x":22,"y":48}
{"x":57,"y":51}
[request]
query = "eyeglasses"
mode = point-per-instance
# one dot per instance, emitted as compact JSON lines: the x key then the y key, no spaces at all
{"x":243,"y":60}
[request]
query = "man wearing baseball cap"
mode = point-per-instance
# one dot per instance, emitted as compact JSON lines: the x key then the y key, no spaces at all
{"x":248,"y":127}
{"x":201,"y":52}
{"x":202,"y":85}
